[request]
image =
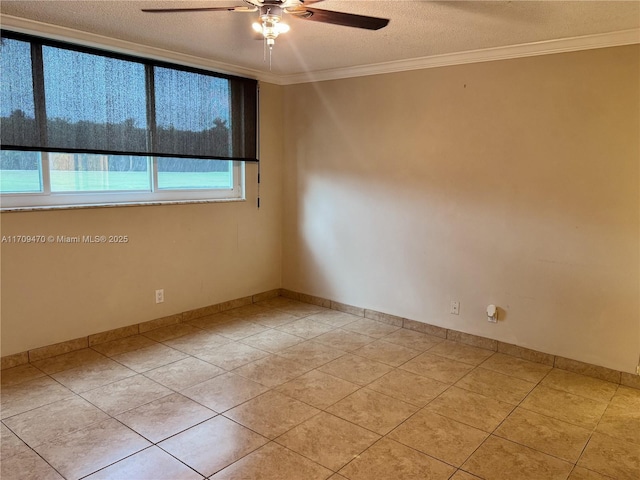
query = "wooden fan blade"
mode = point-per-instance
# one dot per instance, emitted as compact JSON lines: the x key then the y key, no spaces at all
{"x":200,"y":9}
{"x":341,"y":18}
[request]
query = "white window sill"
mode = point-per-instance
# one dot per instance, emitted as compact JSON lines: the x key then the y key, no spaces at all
{"x":113,"y":205}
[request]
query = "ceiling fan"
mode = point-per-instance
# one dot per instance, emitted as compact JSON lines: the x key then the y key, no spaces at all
{"x":271,"y":11}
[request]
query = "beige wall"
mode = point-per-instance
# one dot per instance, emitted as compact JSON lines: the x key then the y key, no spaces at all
{"x":201,"y":254}
{"x":513,"y":182}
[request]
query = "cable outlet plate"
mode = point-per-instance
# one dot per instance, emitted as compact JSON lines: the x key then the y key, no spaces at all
{"x":454,"y":307}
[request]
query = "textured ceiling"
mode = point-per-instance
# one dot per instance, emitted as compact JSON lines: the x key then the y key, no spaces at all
{"x":417,"y":28}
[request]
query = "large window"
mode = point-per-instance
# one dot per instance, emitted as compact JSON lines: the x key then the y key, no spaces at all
{"x":82,"y":126}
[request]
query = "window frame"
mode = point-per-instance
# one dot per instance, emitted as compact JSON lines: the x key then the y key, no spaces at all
{"x":47,"y":199}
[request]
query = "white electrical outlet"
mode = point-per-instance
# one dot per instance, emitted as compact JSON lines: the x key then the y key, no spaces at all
{"x":160,"y":295}
{"x":454,"y":308}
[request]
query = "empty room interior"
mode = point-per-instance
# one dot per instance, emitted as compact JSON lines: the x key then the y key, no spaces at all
{"x":391,"y":240}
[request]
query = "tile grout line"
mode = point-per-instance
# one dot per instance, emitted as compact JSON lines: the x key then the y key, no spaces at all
{"x":412,"y":415}
{"x":591,"y":432}
{"x":32,"y":449}
{"x":519,"y":405}
{"x":324,"y":410}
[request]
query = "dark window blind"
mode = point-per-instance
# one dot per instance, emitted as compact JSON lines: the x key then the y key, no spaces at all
{"x":58,"y":97}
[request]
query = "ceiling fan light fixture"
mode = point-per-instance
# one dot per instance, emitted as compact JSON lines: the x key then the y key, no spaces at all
{"x":270,"y":30}
{"x":269,"y":25}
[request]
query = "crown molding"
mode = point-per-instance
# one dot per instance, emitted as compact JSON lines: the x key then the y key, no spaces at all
{"x":547,"y":47}
{"x":572,"y":44}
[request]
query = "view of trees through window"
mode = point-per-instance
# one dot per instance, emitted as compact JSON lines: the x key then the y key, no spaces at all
{"x":20,"y":171}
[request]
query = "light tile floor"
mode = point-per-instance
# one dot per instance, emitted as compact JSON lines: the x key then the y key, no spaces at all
{"x":283,"y":390}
